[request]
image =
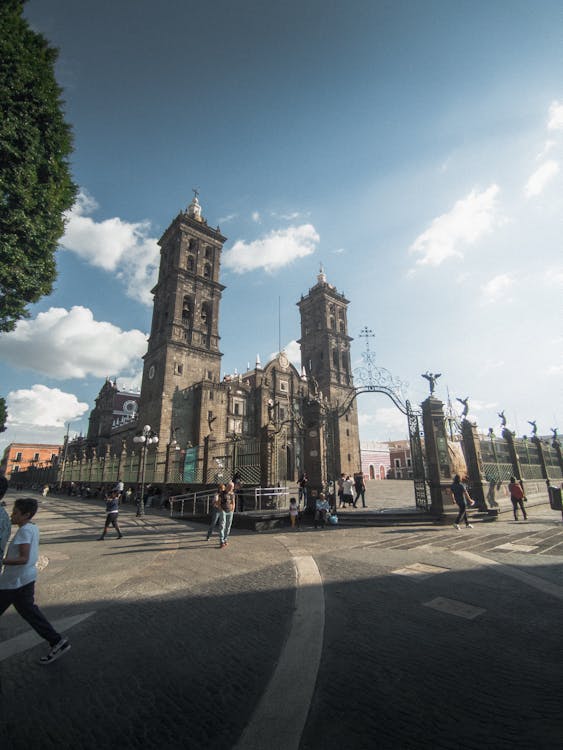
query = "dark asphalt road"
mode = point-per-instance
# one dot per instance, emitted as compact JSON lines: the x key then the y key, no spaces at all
{"x":432,"y":639}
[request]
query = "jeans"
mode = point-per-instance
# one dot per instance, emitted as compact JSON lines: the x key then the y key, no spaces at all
{"x":225,"y":525}
{"x":517,"y":501}
{"x":462,"y":515}
{"x":24,"y":604}
{"x":215,"y":516}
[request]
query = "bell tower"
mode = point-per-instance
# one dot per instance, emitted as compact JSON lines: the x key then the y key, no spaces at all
{"x":183,"y":347}
{"x":325,"y":355}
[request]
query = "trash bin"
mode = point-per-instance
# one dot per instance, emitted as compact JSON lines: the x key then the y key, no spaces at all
{"x":555,"y":498}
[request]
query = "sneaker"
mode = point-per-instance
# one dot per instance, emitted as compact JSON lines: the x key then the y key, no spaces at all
{"x":468,"y":526}
{"x":57,"y":650}
{"x":100,"y":539}
{"x":120,"y":536}
{"x":458,"y":527}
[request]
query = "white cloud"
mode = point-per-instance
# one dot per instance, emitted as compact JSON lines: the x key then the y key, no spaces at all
{"x":40,"y":406}
{"x":554,"y":276}
{"x":555,"y":121}
{"x":255,"y":217}
{"x":226,"y":219}
{"x":541,"y":178}
{"x":497,"y":288}
{"x":132,"y":382}
{"x":383,"y":423}
{"x":273,"y":251}
{"x":339,"y":251}
{"x":293,"y":351}
{"x":469,"y":220}
{"x":66,"y":344}
{"x":114,"y":245}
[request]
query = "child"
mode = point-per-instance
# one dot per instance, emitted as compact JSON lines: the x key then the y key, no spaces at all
{"x":17,"y":582}
{"x":293,"y":512}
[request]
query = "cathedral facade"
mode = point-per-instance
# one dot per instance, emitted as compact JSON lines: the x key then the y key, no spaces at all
{"x":270,"y":423}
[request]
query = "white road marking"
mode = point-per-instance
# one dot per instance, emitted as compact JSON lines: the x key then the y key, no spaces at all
{"x":419,"y":571}
{"x":453,"y":607}
{"x":510,"y":547}
{"x":28,"y":640}
{"x":280,"y":716}
{"x":531,"y":580}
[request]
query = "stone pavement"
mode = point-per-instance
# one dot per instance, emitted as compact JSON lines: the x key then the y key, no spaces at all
{"x":338,"y":638}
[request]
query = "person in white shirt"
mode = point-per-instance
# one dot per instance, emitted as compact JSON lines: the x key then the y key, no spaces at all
{"x":17,"y":581}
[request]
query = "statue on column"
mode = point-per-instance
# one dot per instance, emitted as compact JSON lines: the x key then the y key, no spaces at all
{"x":465,"y":402}
{"x":534,"y":427}
{"x":432,"y":378}
{"x":502,"y":418}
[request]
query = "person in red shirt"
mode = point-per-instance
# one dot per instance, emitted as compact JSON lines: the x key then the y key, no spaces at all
{"x":517,"y":497}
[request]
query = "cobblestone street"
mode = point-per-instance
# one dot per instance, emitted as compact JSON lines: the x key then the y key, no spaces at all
{"x":393,"y":637}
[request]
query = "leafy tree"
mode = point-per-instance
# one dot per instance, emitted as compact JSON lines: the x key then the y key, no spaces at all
{"x":35,"y":183}
{"x":3,"y":414}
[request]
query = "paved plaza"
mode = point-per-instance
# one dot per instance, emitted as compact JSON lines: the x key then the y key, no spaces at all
{"x":399,"y":637}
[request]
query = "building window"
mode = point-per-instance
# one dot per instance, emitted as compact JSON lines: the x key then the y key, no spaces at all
{"x":19,"y":456}
{"x":235,"y":425}
{"x":282,"y":414}
{"x":335,"y":358}
{"x":207,"y":271}
{"x":347,"y":433}
{"x":178,"y":368}
{"x":190,"y":264}
{"x":209,"y":416}
{"x":208,"y":252}
{"x":409,"y":463}
{"x":15,"y":469}
{"x":397,"y":463}
{"x":283,"y":385}
{"x":238,"y":407}
{"x":53,"y":457}
{"x":349,"y":457}
{"x":211,"y":395}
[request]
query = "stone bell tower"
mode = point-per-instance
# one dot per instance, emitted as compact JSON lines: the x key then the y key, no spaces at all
{"x":183,"y":347}
{"x":325,"y":355}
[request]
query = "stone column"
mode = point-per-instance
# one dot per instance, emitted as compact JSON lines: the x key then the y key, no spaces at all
{"x":471,"y":445}
{"x":509,"y":437}
{"x":267,"y":446}
{"x":315,"y":447}
{"x":208,"y":442}
{"x":437,"y":456}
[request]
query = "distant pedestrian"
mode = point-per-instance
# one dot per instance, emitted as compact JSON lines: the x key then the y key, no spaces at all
{"x":112,"y":512}
{"x":227,"y":512}
{"x":360,"y":488}
{"x":303,"y":484}
{"x":460,"y":495}
{"x":45,"y":490}
{"x":322,"y":509}
{"x":239,"y":496}
{"x":347,"y":494}
{"x":5,"y":524}
{"x":518,"y":498}
{"x":293,"y":512}
{"x":340,"y":486}
{"x":17,"y":582}
{"x":215,"y":510}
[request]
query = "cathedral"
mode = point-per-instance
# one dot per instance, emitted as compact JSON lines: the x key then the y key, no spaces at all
{"x":269,"y":424}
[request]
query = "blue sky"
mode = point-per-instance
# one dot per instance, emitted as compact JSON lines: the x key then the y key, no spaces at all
{"x":415,"y":149}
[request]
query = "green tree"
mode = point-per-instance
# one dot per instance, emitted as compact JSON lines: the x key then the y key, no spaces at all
{"x":3,"y":414}
{"x":35,"y":182}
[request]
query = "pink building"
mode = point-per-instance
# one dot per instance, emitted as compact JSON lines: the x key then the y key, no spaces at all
{"x":376,"y":461}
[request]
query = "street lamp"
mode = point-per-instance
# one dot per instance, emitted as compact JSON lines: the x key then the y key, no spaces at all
{"x":146,"y":438}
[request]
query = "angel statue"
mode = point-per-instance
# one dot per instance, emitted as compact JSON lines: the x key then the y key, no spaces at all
{"x":534,"y":427}
{"x":465,"y":402}
{"x":432,"y":378}
{"x":502,"y":418}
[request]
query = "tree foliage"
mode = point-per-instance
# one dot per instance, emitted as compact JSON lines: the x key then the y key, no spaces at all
{"x":35,"y":182}
{"x":3,"y":415}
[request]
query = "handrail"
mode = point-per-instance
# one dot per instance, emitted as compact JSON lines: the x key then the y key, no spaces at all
{"x":261,"y":498}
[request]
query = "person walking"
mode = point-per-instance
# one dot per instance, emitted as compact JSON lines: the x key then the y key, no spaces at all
{"x":215,"y":510}
{"x":360,"y":487}
{"x":227,"y":512}
{"x":347,"y":491}
{"x":112,"y":511}
{"x":517,"y":497}
{"x":460,"y":495}
{"x":293,"y":512}
{"x":17,"y":581}
{"x":303,"y":484}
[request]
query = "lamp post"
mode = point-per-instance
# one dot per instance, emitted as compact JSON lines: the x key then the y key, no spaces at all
{"x":146,"y":438}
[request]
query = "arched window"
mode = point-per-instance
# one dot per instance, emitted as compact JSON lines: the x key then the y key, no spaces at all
{"x":208,"y":252}
{"x":187,"y":311}
{"x":207,"y":271}
{"x":206,"y":314}
{"x":190,"y":263}
{"x":332,"y":322}
{"x":335,"y":358}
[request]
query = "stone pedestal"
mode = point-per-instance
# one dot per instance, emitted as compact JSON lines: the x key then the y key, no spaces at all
{"x":438,"y":462}
{"x":478,"y":486}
